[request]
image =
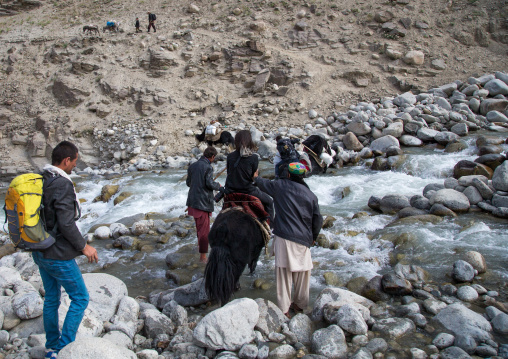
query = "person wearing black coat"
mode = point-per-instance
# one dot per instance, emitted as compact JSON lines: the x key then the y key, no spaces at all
{"x":200,"y":198}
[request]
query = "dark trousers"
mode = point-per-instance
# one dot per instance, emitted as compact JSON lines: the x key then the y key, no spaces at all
{"x":152,"y":24}
{"x":202,"y":220}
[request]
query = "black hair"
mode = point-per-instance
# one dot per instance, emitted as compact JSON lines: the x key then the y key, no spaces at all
{"x":63,"y":150}
{"x":209,"y":152}
{"x":243,"y":139}
{"x":297,"y":179}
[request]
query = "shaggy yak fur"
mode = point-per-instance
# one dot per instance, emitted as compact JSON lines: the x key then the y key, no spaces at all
{"x":225,"y":139}
{"x":235,"y":241}
{"x":91,"y":29}
{"x":317,"y":144}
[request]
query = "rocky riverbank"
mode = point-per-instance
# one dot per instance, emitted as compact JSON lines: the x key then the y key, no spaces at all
{"x":402,"y":314}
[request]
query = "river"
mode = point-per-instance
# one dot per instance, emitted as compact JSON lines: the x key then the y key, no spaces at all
{"x":362,"y":248}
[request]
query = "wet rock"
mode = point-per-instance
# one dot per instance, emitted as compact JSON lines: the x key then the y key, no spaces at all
{"x":467,"y":294}
{"x":108,"y":191}
{"x":329,"y":342}
{"x":500,"y":323}
{"x":433,"y":306}
{"x":491,"y":160}
{"x":454,"y":353}
{"x":443,"y":340}
{"x":229,"y":327}
{"x":452,"y":199}
{"x":396,"y":285}
{"x":373,"y":290}
{"x":420,"y":202}
{"x":463,"y":271}
{"x":394,"y":327}
{"x":377,"y":345}
{"x":141,"y":227}
{"x":393,"y":203}
{"x":445,"y":137}
{"x":476,"y":260}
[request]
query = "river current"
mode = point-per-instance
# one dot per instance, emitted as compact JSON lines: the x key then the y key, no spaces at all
{"x":363,"y":248}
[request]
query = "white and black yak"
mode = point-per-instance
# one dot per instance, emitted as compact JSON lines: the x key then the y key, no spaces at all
{"x":236,"y":241}
{"x":225,"y":138}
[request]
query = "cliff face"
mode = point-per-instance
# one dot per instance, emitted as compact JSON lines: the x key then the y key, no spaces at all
{"x":264,"y":63}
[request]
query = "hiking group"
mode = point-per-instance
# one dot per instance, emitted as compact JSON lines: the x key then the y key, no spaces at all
{"x":291,"y":209}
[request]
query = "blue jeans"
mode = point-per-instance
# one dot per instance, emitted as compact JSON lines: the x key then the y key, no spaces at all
{"x":56,"y":274}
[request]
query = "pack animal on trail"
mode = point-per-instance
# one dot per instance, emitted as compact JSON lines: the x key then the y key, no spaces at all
{"x":111,"y":26}
{"x":236,"y":241}
{"x":225,"y":138}
{"x":91,"y":29}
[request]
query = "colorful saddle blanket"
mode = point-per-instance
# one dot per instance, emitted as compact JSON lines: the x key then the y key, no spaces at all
{"x":250,"y":204}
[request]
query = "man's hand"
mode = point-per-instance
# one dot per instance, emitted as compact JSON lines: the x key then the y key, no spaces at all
{"x":256,"y":174}
{"x":90,"y":253}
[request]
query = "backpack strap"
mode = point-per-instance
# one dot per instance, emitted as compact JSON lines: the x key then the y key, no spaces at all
{"x":55,"y":227}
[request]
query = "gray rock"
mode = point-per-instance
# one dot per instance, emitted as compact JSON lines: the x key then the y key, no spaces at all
{"x":492,"y":104}
{"x":443,"y":340}
{"x":362,"y":353}
{"x":27,"y":305}
{"x":452,"y":199}
{"x":476,"y":260}
{"x":420,"y":202}
{"x":496,"y":116}
{"x":284,"y":351}
{"x":463,"y":271}
{"x":460,"y":129}
{"x":351,"y":142}
{"x":377,"y":345}
{"x":445,"y":137}
{"x":460,"y":320}
{"x":156,"y":323}
{"x":106,"y":292}
{"x":229,"y":327}
{"x":248,"y":351}
{"x":271,"y":317}
{"x":301,"y":326}
{"x":473,"y":195}
{"x":406,"y":309}
{"x":396,"y":285}
{"x":466,"y":343}
{"x":266,"y":149}
{"x":359,"y":128}
{"x":176,"y":313}
{"x":496,"y":87}
{"x":394,"y":129}
{"x":95,"y":348}
{"x":329,"y":342}
{"x":119,"y":338}
{"x":333,"y":294}
{"x":4,"y":337}
{"x":393,"y":203}
{"x":383,"y":143}
{"x":410,"y":141}
{"x":500,"y":177}
{"x":394,"y":327}
{"x":102,"y":232}
{"x":433,"y":306}
{"x":118,"y":230}
{"x":191,"y":294}
{"x":467,"y":294}
{"x":351,"y":320}
{"x":486,"y":351}
{"x":454,"y":353}
{"x":426,"y":134}
{"x":500,"y":323}
{"x":484,"y":190}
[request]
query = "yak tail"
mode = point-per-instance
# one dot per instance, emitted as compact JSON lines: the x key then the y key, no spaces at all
{"x":220,"y":275}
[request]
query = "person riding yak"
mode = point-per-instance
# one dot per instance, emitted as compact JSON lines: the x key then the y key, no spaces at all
{"x":286,"y":153}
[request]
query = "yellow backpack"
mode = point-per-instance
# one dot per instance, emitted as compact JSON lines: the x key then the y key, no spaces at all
{"x":23,"y":213}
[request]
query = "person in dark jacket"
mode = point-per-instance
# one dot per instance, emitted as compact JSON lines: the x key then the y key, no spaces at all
{"x":57,"y":265}
{"x":241,"y":166}
{"x":151,"y":21}
{"x":200,"y":199}
{"x":137,"y":25}
{"x":296,"y":227}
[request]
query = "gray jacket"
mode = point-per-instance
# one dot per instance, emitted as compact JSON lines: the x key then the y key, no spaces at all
{"x":200,"y":181}
{"x":59,"y":202}
{"x":297,"y":215}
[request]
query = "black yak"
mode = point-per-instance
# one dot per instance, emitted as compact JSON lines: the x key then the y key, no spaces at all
{"x":236,"y":241}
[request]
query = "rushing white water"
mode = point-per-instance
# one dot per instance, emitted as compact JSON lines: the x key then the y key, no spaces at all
{"x":362,"y":245}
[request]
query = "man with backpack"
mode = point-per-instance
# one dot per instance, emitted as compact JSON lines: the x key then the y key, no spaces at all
{"x":57,"y":265}
{"x":151,"y":21}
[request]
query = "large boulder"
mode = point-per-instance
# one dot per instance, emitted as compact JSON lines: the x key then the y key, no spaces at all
{"x":329,"y":342}
{"x":463,"y":321}
{"x":106,"y":292}
{"x":452,"y":199}
{"x":229,"y":327}
{"x":271,"y":317}
{"x":463,"y":271}
{"x":393,"y":203}
{"x":500,"y":177}
{"x":95,"y":348}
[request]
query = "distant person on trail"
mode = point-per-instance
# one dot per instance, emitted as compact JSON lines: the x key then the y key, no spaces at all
{"x":200,"y":199}
{"x":296,"y":227}
{"x":151,"y":21}
{"x":137,"y":25}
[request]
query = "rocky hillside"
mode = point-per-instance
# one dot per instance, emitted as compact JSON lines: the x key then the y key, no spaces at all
{"x":264,"y":63}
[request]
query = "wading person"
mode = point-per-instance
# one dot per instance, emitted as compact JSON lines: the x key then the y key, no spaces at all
{"x":200,"y":199}
{"x":56,"y":264}
{"x":296,"y":227}
{"x":241,"y":166}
